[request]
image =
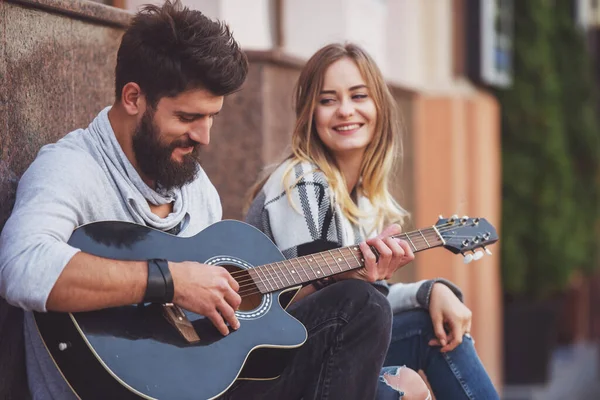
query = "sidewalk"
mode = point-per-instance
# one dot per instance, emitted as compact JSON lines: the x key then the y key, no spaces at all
{"x":574,"y":375}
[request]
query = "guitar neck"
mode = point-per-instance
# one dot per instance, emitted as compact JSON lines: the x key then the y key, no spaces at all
{"x":296,"y":271}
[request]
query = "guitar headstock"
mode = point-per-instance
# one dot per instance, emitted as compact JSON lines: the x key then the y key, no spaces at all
{"x":465,"y":234}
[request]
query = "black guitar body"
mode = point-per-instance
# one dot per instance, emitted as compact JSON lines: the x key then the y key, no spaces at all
{"x":133,"y":352}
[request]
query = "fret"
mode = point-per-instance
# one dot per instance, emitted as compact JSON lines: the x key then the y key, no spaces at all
{"x":283,"y":273}
{"x":359,"y":263}
{"x":266,"y":278}
{"x":322,"y":273}
{"x":313,"y":271}
{"x":293,"y":274}
{"x":253,"y":273}
{"x":278,"y":276}
{"x":264,"y":281}
{"x":306,"y":273}
{"x":336,"y":261}
{"x":301,"y":268}
{"x":323,"y":257}
{"x":428,"y":245}
{"x":345,"y":259}
{"x":330,"y":269}
{"x":291,"y":269}
{"x":273,"y":280}
{"x":307,"y":261}
{"x":311,"y":261}
{"x":411,"y":242}
{"x":274,"y":275}
{"x":305,"y":269}
{"x":441,"y":238}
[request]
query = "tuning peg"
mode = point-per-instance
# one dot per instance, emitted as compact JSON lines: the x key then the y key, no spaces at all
{"x":468,"y":258}
{"x":487,"y":251}
{"x":477,"y":255}
{"x":454,"y":216}
{"x":440,"y":216}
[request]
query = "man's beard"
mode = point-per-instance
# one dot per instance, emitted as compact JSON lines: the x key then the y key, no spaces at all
{"x":155,"y":159}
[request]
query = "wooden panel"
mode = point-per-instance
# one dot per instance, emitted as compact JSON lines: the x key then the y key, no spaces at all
{"x":456,"y":147}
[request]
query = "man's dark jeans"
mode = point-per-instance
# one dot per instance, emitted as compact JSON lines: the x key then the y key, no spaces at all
{"x":349,"y":326}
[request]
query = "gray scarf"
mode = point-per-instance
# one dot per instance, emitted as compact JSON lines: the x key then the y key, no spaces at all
{"x":126,"y":178}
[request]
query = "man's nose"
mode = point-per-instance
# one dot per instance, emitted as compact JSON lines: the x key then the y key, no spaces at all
{"x":200,"y":132}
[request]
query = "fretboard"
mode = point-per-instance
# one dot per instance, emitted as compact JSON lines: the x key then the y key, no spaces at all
{"x":296,"y":271}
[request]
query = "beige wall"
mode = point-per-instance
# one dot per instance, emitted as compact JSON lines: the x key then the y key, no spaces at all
{"x":311,"y":24}
{"x":456,"y":142}
{"x":250,"y":20}
{"x":411,"y":40}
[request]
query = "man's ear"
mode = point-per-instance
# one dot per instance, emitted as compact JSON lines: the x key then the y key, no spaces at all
{"x":132,"y":99}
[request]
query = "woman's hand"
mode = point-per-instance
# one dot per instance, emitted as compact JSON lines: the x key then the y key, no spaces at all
{"x":446,"y":310}
{"x":393,"y":254}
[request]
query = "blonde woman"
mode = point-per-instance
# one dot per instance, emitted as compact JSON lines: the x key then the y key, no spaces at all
{"x":334,"y":190}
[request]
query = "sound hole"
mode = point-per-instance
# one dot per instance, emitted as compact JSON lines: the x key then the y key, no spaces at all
{"x":251,"y":296}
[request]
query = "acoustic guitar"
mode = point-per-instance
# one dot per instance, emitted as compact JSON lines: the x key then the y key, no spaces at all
{"x":164,"y":352}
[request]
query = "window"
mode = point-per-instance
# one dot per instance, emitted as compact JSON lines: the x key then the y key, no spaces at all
{"x":490,"y":41}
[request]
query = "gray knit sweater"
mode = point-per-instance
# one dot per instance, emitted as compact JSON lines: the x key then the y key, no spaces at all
{"x":84,"y":177}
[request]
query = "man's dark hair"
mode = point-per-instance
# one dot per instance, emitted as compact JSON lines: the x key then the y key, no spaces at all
{"x":169,"y":49}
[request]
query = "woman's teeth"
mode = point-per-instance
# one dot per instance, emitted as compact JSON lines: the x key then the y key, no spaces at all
{"x":347,"y":127}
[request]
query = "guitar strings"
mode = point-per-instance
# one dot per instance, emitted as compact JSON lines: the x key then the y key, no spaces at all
{"x":270,"y":270}
{"x":417,"y":234}
{"x":418,"y":237}
{"x":305,"y":264}
{"x":271,"y":274}
{"x":327,"y":256}
{"x":253,"y":288}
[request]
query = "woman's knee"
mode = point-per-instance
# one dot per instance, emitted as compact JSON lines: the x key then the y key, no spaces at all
{"x":410,"y":323}
{"x":404,"y":381}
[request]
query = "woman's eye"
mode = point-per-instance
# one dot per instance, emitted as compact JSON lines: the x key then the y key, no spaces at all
{"x":184,"y":119}
{"x":325,"y":101}
{"x":360,"y":96}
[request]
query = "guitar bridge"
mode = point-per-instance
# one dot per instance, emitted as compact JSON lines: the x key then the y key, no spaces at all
{"x":176,"y":317}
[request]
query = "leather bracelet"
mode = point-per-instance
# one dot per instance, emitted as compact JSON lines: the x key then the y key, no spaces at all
{"x":159,"y":288}
{"x":169,"y":286}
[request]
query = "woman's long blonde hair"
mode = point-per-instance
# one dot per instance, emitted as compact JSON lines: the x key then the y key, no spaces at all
{"x":381,"y":153}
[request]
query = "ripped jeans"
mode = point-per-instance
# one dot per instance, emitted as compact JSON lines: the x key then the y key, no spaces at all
{"x":391,"y":387}
{"x":456,"y":375}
